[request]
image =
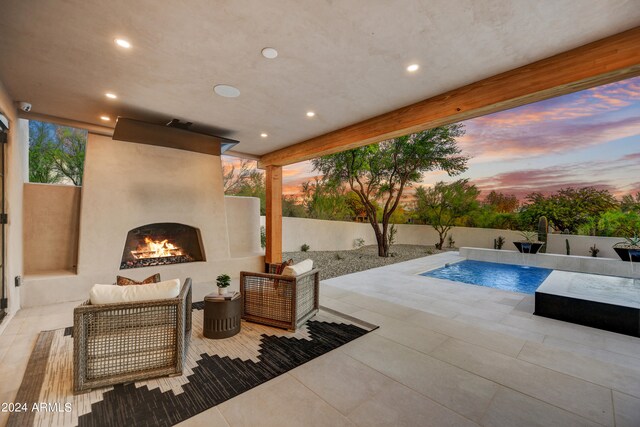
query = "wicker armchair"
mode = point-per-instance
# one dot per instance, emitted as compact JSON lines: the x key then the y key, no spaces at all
{"x":117,"y":343}
{"x":281,"y":301}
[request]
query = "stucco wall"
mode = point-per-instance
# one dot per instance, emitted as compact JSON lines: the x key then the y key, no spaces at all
{"x":51,"y":224}
{"x":127,"y":185}
{"x":580,"y":245}
{"x":14,"y":178}
{"x":339,"y":235}
{"x":323,"y":235}
{"x":243,"y":225}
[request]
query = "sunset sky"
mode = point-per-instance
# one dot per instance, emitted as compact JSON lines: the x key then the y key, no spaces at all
{"x":590,"y":137}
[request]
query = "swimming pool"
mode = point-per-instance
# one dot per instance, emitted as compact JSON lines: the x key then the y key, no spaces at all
{"x":508,"y":277}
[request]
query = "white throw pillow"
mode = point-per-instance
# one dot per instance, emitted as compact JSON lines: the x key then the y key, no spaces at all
{"x":298,"y":269}
{"x":112,"y":294}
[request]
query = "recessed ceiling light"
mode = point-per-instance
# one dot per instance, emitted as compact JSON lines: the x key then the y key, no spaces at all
{"x":310,"y":114}
{"x":123,"y":43}
{"x":105,"y":118}
{"x":269,"y":53}
{"x":111,"y":95}
{"x":413,"y":67}
{"x":264,"y":135}
{"x":226,"y":91}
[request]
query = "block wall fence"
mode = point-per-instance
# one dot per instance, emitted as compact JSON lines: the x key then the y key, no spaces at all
{"x":323,"y":235}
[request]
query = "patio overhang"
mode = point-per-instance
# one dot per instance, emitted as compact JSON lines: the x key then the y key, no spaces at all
{"x":604,"y":61}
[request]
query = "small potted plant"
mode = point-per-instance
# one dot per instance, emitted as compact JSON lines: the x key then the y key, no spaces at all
{"x":223,"y":281}
{"x":629,"y":249}
{"x":530,"y":244}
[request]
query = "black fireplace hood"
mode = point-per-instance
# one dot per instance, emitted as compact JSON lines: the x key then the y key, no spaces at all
{"x":173,"y":136}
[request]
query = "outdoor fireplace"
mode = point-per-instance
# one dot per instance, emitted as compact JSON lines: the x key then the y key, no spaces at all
{"x":162,"y":244}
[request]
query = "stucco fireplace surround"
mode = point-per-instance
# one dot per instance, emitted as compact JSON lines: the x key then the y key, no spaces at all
{"x":129,"y":186}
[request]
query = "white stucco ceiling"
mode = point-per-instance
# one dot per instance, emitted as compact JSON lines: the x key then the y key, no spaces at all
{"x":343,"y":59}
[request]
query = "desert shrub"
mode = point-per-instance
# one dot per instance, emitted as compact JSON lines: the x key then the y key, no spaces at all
{"x":450,"y":241}
{"x":392,"y":234}
{"x":263,"y":237}
{"x":611,"y":224}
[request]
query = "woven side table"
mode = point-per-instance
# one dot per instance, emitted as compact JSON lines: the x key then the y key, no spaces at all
{"x":221,"y":317}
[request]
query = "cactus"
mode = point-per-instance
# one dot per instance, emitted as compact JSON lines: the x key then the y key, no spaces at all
{"x":543,"y":229}
{"x":498,"y":243}
{"x":566,"y":242}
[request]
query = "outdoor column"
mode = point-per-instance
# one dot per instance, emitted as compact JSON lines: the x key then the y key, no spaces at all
{"x":274,"y":214}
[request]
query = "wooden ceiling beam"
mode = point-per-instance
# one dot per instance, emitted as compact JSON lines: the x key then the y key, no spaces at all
{"x":604,"y":61}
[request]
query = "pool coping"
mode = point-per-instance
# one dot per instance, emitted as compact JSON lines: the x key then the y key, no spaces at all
{"x":573,"y":263}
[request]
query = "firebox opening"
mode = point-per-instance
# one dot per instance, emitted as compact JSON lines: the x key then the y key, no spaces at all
{"x":162,"y":244}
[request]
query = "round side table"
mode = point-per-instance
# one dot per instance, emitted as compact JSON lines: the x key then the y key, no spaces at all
{"x":221,"y":317}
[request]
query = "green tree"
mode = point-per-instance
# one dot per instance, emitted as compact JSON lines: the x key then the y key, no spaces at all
{"x":235,"y":177}
{"x":399,"y":216}
{"x":380,"y":173}
{"x":56,"y":153}
{"x":323,"y":199}
{"x":358,"y":209}
{"x":568,"y":209}
{"x":253,"y":186}
{"x":486,"y":217}
{"x":629,"y":203}
{"x":291,"y":207}
{"x":500,"y":202}
{"x":70,"y":152}
{"x":443,"y":204}
{"x":243,"y":179}
{"x":612,"y":223}
{"x":42,"y":148}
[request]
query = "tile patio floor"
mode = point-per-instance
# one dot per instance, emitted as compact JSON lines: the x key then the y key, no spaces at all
{"x":446,"y":354}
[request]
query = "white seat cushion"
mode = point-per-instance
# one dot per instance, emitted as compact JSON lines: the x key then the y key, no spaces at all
{"x":112,"y":294}
{"x":298,"y":269}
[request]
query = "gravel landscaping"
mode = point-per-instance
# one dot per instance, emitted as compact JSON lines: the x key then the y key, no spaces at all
{"x":339,"y":263}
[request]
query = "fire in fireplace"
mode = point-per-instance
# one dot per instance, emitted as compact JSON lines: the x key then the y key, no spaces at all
{"x":161,"y":244}
{"x":156,"y":249}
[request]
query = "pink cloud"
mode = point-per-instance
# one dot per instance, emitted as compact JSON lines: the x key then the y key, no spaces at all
{"x":555,"y":125}
{"x":500,"y":143}
{"x":586,"y":103}
{"x":551,"y":179}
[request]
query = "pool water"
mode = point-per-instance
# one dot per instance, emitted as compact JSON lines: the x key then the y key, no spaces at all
{"x":515,"y":278}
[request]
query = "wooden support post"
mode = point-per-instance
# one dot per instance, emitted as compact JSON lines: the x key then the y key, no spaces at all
{"x":274,"y":214}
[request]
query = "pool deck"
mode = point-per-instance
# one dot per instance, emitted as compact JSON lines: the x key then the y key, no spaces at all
{"x":478,"y":352}
{"x":446,"y":354}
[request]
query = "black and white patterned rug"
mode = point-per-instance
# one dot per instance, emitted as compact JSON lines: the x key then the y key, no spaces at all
{"x":215,"y":371}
